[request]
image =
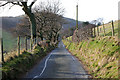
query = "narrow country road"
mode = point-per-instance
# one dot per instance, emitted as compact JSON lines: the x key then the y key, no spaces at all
{"x":59,"y":64}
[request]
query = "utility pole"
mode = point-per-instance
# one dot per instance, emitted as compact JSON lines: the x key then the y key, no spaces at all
{"x":77,"y":16}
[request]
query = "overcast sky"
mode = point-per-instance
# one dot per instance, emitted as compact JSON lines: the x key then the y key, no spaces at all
{"x":88,"y":9}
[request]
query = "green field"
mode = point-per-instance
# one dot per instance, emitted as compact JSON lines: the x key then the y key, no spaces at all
{"x":9,"y":41}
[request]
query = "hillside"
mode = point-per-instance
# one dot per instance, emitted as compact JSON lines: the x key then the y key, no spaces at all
{"x":100,"y":54}
{"x":9,"y":22}
{"x":70,"y":23}
{"x":9,"y":41}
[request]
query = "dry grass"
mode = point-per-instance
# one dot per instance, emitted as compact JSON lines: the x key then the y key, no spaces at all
{"x":99,"y":54}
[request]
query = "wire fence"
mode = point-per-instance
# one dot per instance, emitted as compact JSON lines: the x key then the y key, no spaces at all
{"x":84,"y":33}
{"x":110,"y":29}
{"x":11,"y":47}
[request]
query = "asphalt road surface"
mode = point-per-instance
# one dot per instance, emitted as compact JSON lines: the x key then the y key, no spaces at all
{"x":59,"y":64}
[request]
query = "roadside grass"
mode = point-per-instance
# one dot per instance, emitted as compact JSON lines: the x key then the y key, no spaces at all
{"x":14,"y":67}
{"x":99,"y":54}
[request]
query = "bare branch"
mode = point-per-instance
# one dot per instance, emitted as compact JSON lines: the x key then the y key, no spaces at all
{"x":11,"y":6}
{"x":32,"y":3}
{"x":24,"y":4}
{"x":16,"y":3}
{"x":4,"y":4}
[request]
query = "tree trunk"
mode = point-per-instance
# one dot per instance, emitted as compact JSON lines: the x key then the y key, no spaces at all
{"x":32,"y":20}
{"x":41,"y":36}
{"x":33,"y":25}
{"x":33,"y":29}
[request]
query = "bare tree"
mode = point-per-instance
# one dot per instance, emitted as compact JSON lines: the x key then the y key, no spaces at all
{"x":49,"y":20}
{"x":23,"y":28}
{"x":28,"y":11}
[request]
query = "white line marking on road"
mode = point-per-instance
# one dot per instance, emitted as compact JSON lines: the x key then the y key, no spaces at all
{"x":44,"y":67}
{"x":71,"y":56}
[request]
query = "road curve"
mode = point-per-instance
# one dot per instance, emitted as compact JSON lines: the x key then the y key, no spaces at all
{"x":59,"y":64}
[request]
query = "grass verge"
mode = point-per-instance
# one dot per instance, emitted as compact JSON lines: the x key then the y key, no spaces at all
{"x":23,"y":63}
{"x":99,"y":54}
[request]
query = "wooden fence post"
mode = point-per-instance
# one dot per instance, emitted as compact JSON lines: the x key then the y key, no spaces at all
{"x":18,"y":45}
{"x":97,"y":30}
{"x":112,"y":28}
{"x":1,"y":51}
{"x":104,"y":29}
{"x":26,"y":43}
{"x":94,"y":32}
